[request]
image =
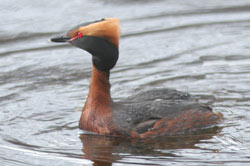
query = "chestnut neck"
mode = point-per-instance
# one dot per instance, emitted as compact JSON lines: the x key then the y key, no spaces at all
{"x":99,"y":91}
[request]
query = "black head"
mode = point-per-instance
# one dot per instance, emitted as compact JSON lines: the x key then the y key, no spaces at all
{"x":100,"y":38}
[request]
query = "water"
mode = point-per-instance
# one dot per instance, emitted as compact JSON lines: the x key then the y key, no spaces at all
{"x":200,"y":47}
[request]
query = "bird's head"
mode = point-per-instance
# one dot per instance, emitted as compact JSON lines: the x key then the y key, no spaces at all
{"x":100,"y":38}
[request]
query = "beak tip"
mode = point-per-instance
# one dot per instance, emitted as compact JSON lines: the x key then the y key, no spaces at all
{"x":50,"y":40}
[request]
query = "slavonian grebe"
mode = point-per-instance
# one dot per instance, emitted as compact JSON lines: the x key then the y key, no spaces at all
{"x":160,"y":112}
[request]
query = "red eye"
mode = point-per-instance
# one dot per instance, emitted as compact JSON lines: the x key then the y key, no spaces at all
{"x":79,"y":34}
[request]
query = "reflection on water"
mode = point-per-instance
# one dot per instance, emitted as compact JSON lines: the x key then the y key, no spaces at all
{"x":104,"y":150}
{"x":201,"y":48}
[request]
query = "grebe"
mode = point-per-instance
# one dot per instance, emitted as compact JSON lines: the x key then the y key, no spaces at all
{"x":159,"y":112}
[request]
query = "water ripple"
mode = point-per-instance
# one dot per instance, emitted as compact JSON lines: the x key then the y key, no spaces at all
{"x":192,"y":46}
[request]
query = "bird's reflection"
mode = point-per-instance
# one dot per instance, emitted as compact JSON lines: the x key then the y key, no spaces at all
{"x":100,"y":149}
{"x":104,"y":150}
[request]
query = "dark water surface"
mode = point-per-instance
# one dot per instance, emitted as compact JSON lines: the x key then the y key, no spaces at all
{"x":196,"y":46}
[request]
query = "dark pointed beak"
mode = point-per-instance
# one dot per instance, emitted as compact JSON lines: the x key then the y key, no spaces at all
{"x":60,"y":39}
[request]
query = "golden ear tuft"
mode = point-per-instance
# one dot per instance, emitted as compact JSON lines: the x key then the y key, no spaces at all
{"x":108,"y":29}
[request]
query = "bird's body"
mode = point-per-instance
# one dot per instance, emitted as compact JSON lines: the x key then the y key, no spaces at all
{"x":157,"y":112}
